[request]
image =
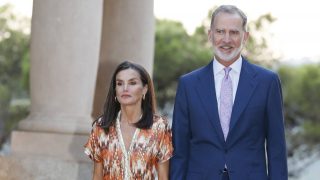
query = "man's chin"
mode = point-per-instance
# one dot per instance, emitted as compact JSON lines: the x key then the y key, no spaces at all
{"x":226,"y":58}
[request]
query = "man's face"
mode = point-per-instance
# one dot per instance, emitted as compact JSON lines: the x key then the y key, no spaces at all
{"x":227,"y":37}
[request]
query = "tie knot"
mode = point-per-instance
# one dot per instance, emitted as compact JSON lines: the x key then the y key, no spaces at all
{"x":227,"y":70}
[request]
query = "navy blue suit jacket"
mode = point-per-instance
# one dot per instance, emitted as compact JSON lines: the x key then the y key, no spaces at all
{"x":255,"y":148}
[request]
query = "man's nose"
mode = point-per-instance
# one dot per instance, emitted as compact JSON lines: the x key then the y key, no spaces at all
{"x":226,"y":37}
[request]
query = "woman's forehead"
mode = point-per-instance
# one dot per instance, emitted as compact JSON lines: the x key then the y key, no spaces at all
{"x":128,"y":74}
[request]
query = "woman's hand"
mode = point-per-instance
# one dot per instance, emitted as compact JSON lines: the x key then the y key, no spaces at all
{"x":97,"y":171}
{"x":163,"y":170}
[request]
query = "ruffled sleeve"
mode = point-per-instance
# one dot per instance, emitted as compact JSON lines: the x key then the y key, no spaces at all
{"x":165,"y":141}
{"x":92,"y":147}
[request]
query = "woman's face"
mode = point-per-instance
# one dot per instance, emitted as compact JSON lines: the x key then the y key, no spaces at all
{"x":129,"y":88}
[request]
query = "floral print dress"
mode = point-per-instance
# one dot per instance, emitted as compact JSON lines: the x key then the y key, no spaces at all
{"x":148,"y":148}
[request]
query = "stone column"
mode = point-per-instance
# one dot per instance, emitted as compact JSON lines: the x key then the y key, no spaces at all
{"x":64,"y":59}
{"x":128,"y":34}
{"x":65,"y":45}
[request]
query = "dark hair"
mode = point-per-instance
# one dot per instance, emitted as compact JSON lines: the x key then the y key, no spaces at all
{"x":112,"y":107}
{"x":230,"y":9}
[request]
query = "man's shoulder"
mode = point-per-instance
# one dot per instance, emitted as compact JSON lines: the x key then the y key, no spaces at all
{"x":195,"y":73}
{"x":260,"y":70}
{"x":261,"y":74}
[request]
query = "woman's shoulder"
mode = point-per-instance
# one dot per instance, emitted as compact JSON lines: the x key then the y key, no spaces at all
{"x":97,"y":125}
{"x":159,"y":118}
{"x":99,"y":130}
{"x":97,"y":122}
{"x":160,"y":121}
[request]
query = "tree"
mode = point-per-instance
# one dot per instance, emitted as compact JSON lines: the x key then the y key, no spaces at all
{"x":176,"y":53}
{"x":257,"y":48}
{"x":14,"y":58}
{"x":302,"y":103}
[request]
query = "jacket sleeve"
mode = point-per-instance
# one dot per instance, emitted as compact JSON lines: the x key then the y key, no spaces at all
{"x":276,"y":144}
{"x":181,"y":135}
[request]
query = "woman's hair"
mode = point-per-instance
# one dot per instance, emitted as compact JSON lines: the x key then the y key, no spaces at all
{"x":112,"y":106}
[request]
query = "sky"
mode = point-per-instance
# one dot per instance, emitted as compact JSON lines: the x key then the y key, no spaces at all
{"x":295,"y":33}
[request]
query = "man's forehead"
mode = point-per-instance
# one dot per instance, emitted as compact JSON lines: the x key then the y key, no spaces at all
{"x":228,"y":20}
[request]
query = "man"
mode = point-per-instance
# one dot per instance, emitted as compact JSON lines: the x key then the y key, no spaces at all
{"x":228,"y":120}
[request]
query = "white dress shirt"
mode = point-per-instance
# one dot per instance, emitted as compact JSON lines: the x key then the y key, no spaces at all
{"x":218,"y":70}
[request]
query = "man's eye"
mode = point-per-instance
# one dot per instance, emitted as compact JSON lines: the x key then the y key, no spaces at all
{"x":234,"y":32}
{"x":219,"y":31}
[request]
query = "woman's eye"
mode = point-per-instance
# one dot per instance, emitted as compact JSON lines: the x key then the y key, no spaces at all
{"x":133,"y":83}
{"x":119,"y":83}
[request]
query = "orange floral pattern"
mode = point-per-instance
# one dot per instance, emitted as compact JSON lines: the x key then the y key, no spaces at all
{"x":148,"y":148}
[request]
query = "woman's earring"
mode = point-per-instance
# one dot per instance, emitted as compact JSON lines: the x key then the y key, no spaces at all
{"x":144,"y":96}
{"x":115,"y":98}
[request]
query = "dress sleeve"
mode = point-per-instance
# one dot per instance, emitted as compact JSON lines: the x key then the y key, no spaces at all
{"x":92,"y":147}
{"x":165,"y":142}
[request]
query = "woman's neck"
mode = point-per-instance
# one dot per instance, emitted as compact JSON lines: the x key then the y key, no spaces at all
{"x":131,"y":115}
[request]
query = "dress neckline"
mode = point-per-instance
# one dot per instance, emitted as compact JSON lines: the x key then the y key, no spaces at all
{"x":126,"y":152}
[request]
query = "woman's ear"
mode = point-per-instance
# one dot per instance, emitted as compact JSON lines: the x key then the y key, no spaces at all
{"x":145,"y":90}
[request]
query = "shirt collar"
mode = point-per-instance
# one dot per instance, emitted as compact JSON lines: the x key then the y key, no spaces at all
{"x":236,"y":66}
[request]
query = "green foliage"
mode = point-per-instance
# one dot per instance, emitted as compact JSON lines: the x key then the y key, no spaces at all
{"x":312,"y":132}
{"x":17,"y":113}
{"x":14,"y":64}
{"x":302,"y":103}
{"x":5,"y":97}
{"x":301,"y":92}
{"x":14,"y":47}
{"x":176,"y":53}
{"x":257,"y":45}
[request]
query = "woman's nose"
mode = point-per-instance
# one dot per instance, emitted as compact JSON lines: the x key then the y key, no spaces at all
{"x":125,"y":87}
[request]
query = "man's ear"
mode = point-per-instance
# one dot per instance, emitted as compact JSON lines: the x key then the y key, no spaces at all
{"x":246,"y":37}
{"x":210,"y":37}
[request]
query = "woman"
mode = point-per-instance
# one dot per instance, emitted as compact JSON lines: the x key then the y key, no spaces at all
{"x":129,"y":141}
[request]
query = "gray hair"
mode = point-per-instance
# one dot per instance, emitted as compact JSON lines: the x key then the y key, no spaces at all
{"x":230,"y":9}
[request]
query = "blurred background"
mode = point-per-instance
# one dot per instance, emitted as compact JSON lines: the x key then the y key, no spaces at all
{"x":283,"y":37}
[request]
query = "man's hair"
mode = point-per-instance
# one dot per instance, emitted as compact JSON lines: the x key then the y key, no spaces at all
{"x":230,"y":9}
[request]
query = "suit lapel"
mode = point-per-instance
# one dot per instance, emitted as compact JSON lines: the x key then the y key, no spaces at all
{"x":246,"y":86}
{"x":207,"y":94}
